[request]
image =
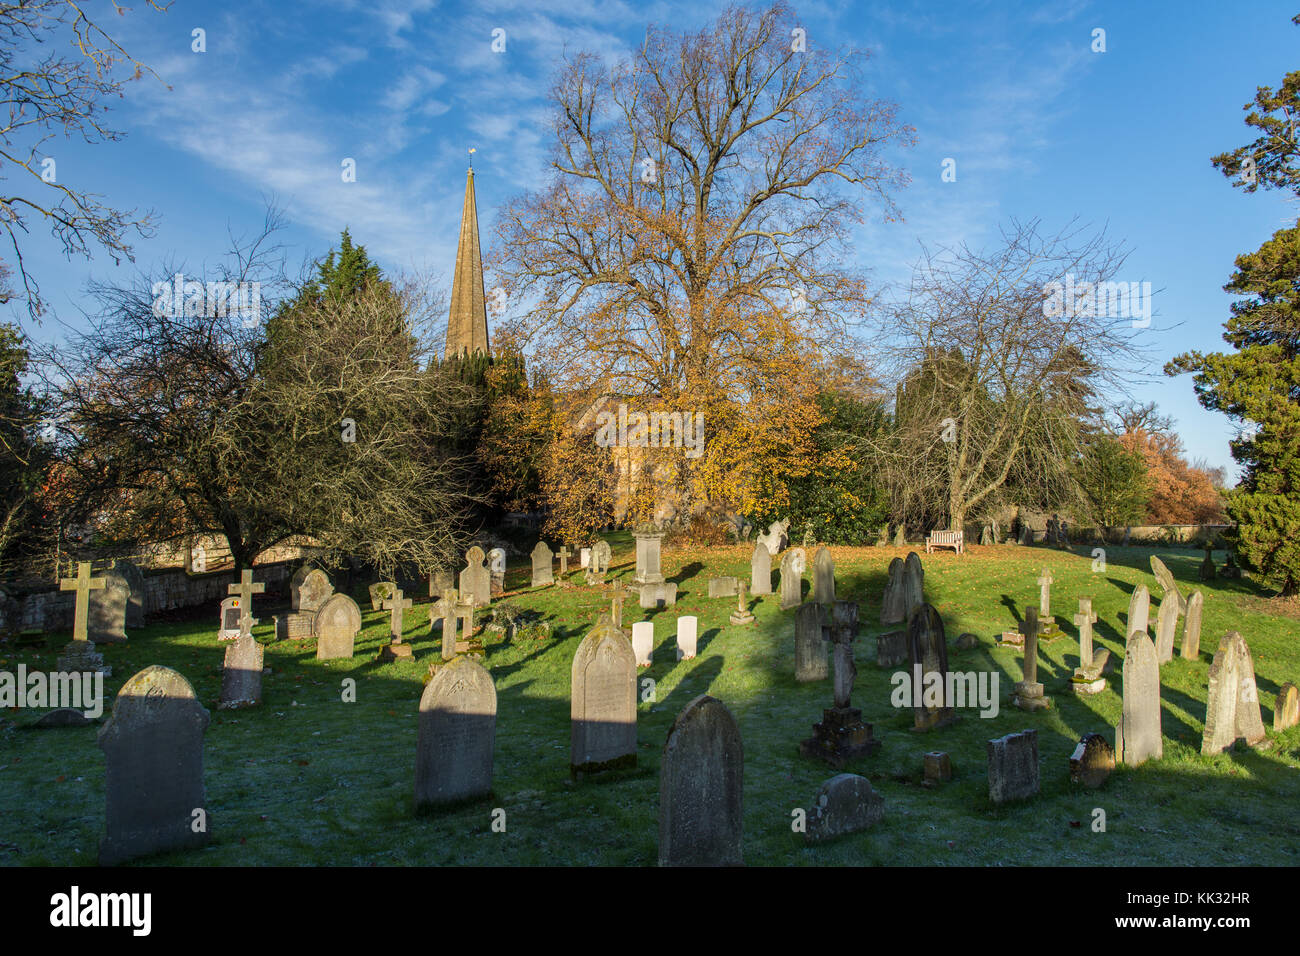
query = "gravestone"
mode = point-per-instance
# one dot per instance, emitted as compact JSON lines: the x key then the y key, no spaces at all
{"x":496,"y":562}
{"x":294,"y":626}
{"x":927,"y":648}
{"x":80,"y":655}
{"x":742,"y":614}
{"x":936,"y":767}
{"x":823,"y":577}
{"x":134,"y":578}
{"x":1286,"y":707}
{"x":846,"y":804}
{"x":312,"y":592}
{"x":687,"y":637}
{"x":106,"y":613}
{"x":1013,"y":767}
{"x":760,"y":571}
{"x":1206,"y":571}
{"x":891,"y":648}
{"x":1229,"y":569}
{"x":456,"y":735}
{"x":1191,"y":649}
{"x":1087,"y":677}
{"x":913,"y":584}
{"x":810,"y":659}
{"x":841,"y":735}
{"x":1166,"y":627}
{"x":603,"y":702}
{"x":617,"y":595}
{"x":1092,"y":761}
{"x":648,"y":542}
{"x":543,"y":569}
{"x":380,"y":592}
{"x":792,"y":567}
{"x":475,"y":586}
{"x":900,"y":537}
{"x":893,"y":605}
{"x":701,"y":780}
{"x":440,"y":582}
{"x":584,"y":558}
{"x":643,"y":642}
{"x":774,"y":538}
{"x":1026,"y":535}
{"x":395,"y":649}
{"x":724,"y":586}
{"x":663,"y":594}
{"x":153,"y":776}
{"x":1232,"y":701}
{"x":1138,"y":735}
{"x":986,"y":535}
{"x":228,"y":622}
{"x":1168,"y":585}
{"x":601,"y":556}
{"x":564,"y":554}
{"x":445,"y":609}
{"x":1027,"y":694}
{"x":336,"y":625}
{"x":241,"y":677}
{"x":882,"y":536}
{"x":1139,"y":610}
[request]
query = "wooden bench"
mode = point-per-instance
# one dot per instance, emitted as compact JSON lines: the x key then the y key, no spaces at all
{"x":944,"y":539}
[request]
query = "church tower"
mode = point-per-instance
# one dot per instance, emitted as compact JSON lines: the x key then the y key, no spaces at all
{"x":467,"y":331}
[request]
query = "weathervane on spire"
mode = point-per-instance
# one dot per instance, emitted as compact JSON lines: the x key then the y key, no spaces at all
{"x":471,"y":158}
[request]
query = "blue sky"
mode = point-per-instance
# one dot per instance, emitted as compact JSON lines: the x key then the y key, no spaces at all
{"x":1038,"y":123}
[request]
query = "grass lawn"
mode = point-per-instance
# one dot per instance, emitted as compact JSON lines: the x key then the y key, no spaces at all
{"x":308,"y":779}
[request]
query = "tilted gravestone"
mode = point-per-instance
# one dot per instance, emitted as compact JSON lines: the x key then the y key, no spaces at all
{"x":760,"y":571}
{"x":1013,"y":767}
{"x":475,"y":579}
{"x":1286,"y":707}
{"x":1138,"y":734}
{"x":456,"y":735}
{"x":643,"y":642}
{"x":792,"y":566}
{"x":543,"y":567}
{"x":701,"y":780}
{"x":1191,"y":649}
{"x":336,"y":625}
{"x":380,"y":592}
{"x":153,"y":778}
{"x":1166,"y":628}
{"x":1232,"y":701}
{"x":823,"y":576}
{"x":106,"y":613}
{"x":893,"y":606}
{"x":603,"y":702}
{"x":913,"y":584}
{"x":810,"y":657}
{"x":1139,"y":610}
{"x":846,"y":804}
{"x":928,"y":647}
{"x":1167,"y":583}
{"x":134,"y":577}
{"x":687,"y":637}
{"x":1092,"y":761}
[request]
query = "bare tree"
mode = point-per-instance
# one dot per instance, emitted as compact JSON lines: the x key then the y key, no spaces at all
{"x":51,"y":93}
{"x":999,"y":356}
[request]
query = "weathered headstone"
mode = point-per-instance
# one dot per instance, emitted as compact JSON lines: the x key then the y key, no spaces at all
{"x":774,"y":538}
{"x":701,"y":780}
{"x":882,"y":537}
{"x":106,"y":614}
{"x":913,"y":584}
{"x":445,"y":609}
{"x":643,"y":642}
{"x":1206,"y":571}
{"x":841,"y":735}
{"x":1139,"y":610}
{"x":603,"y":701}
{"x":80,"y":655}
{"x":891,"y":648}
{"x":543,"y":570}
{"x":134,"y":578}
{"x":1166,"y":628}
{"x":792,"y":567}
{"x":927,"y":649}
{"x":456,"y":735}
{"x":395,"y":649}
{"x":1168,"y":585}
{"x":475,"y":579}
{"x":663,"y":594}
{"x":687,"y":637}
{"x":440,"y":582}
{"x":846,"y":804}
{"x":648,"y":542}
{"x":241,"y":674}
{"x":1232,"y":701}
{"x":893,"y":605}
{"x":601,"y":556}
{"x":725,"y":586}
{"x":1013,"y":767}
{"x":380,"y":592}
{"x":1138,"y":735}
{"x":337,"y":624}
{"x":936,"y":767}
{"x":760,"y":571}
{"x":1026,"y":534}
{"x":900,"y":537}
{"x":1092,"y":761}
{"x":1191,"y":649}
{"x":823,"y":576}
{"x":1286,"y":707}
{"x":313,"y":590}
{"x":810,"y":659}
{"x":153,"y":780}
{"x":986,"y":536}
{"x":496,"y":562}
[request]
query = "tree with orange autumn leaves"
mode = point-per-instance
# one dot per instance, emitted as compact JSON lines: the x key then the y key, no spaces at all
{"x":688,"y":252}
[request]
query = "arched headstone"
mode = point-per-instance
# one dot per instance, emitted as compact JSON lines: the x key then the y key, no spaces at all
{"x":336,"y":627}
{"x":603,"y":702}
{"x":456,"y":736}
{"x":701,"y":779}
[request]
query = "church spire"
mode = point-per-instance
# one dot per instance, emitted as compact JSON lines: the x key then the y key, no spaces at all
{"x":467,"y":331}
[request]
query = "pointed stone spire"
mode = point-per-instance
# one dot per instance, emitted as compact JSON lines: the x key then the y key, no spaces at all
{"x":467,"y":330}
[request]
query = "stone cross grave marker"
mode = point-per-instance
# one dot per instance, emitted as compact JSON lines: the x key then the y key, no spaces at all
{"x":742,"y":614}
{"x":617,"y":595}
{"x":395,"y":648}
{"x":841,"y":735}
{"x":564,"y":554}
{"x":446,"y":609}
{"x":83,"y":584}
{"x":1045,"y":597}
